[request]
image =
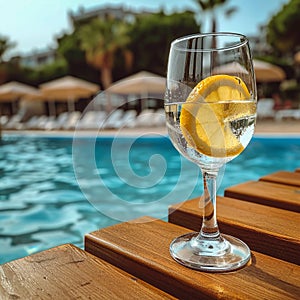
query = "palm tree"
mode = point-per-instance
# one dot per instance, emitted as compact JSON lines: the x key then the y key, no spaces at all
{"x":5,"y":45}
{"x":210,"y":7}
{"x":101,"y":39}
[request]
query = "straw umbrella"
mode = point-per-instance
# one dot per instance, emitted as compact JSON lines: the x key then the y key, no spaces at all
{"x":13,"y":91}
{"x":68,"y":89}
{"x":297,"y":57}
{"x":233,"y":68}
{"x":138,"y":83}
{"x":266,"y":72}
{"x":142,"y":83}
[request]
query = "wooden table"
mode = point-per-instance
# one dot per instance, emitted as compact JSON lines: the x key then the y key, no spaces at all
{"x":131,"y":260}
{"x":67,"y":272}
{"x":271,"y":191}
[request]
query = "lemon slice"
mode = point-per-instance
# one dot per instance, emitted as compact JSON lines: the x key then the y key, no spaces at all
{"x":207,"y":113}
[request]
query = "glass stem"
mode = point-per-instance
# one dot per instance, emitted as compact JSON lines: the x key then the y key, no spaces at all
{"x":209,"y":227}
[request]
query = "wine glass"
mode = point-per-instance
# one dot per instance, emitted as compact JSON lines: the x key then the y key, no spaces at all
{"x":210,"y":106}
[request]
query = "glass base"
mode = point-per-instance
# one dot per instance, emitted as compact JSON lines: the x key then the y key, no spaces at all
{"x":225,"y":253}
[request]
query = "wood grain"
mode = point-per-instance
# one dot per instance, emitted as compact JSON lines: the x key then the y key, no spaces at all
{"x":265,"y":229}
{"x":142,"y":249}
{"x":283,"y":177}
{"x":67,"y":272}
{"x":267,"y":193}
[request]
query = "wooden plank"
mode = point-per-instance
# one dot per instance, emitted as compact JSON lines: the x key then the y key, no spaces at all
{"x":142,"y":249}
{"x":267,"y":193}
{"x":265,"y":229}
{"x":67,"y":272}
{"x":283,"y":177}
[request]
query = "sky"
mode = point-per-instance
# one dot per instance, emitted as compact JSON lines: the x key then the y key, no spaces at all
{"x":34,"y":24}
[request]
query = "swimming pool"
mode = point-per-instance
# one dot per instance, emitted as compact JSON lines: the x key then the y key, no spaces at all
{"x":53,"y":190}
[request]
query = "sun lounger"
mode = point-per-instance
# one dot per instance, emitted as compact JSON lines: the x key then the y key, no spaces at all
{"x":159,"y":118}
{"x":60,"y":121}
{"x":14,"y":122}
{"x":86,"y":121}
{"x":127,"y":120}
{"x":265,"y":108}
{"x":3,"y":120}
{"x":72,"y":120}
{"x":113,"y":118}
{"x":32,"y":122}
{"x":145,"y":118}
{"x":287,"y":113}
{"x":41,"y":122}
{"x":91,"y":120}
{"x":49,"y":124}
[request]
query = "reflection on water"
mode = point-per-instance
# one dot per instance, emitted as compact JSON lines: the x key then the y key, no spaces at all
{"x":43,"y":203}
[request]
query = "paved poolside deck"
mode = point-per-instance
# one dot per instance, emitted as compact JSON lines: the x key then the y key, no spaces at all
{"x":281,"y":127}
{"x":270,"y":127}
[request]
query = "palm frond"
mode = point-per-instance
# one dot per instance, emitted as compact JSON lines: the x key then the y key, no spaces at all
{"x":230,"y":11}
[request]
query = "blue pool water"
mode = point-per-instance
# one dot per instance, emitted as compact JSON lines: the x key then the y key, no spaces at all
{"x":53,"y":190}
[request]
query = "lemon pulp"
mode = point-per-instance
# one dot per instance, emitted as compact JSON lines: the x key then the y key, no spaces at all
{"x":206,"y":114}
